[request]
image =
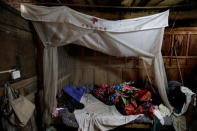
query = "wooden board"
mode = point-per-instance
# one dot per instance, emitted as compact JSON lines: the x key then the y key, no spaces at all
{"x":17,"y":46}
{"x":130,"y":74}
{"x":114,"y":76}
{"x":100,"y":76}
{"x":23,"y":84}
{"x":193,"y":45}
{"x":87,"y":76}
{"x":17,"y":51}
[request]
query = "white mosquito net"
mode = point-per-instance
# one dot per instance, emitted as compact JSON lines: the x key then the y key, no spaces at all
{"x":59,"y":26}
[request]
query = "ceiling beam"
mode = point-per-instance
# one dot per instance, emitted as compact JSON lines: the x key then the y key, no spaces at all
{"x":118,"y":7}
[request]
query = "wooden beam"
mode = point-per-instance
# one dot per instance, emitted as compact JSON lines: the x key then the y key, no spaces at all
{"x":21,"y":84}
{"x":181,"y":31}
{"x":153,"y":3}
{"x":139,"y":126}
{"x":178,"y":15}
{"x":170,"y":2}
{"x":63,"y":78}
{"x":113,"y":7}
{"x":181,"y":57}
{"x":8,"y":27}
{"x":24,"y":83}
{"x":100,"y":58}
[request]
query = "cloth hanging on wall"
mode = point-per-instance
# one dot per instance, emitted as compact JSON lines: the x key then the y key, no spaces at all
{"x":58,"y":26}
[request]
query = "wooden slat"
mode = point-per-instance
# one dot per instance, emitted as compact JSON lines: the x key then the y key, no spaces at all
{"x":21,"y":84}
{"x":181,"y":57}
{"x":64,"y":78}
{"x":173,"y":15}
{"x":172,"y":46}
{"x":77,"y":76}
{"x":129,"y":59}
{"x":153,"y":2}
{"x":191,"y":63}
{"x":24,"y":83}
{"x":181,"y":32}
{"x":139,"y":126}
{"x":130,"y":74}
{"x":88,"y":76}
{"x":182,"y":29}
{"x":114,"y":76}
{"x":100,"y":75}
{"x":187,"y":46}
{"x":173,"y":74}
{"x":166,"y":45}
{"x":193,"y":45}
{"x":63,"y":81}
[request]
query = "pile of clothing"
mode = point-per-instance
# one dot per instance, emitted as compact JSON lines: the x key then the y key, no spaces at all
{"x":128,"y":99}
{"x":68,"y":101}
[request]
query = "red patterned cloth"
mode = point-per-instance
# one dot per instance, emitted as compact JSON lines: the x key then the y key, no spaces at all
{"x":133,"y":102}
{"x":142,"y":95}
{"x":103,"y":93}
{"x":128,"y":100}
{"x":129,"y":109}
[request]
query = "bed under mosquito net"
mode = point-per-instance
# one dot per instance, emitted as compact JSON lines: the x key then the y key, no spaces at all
{"x":138,"y":37}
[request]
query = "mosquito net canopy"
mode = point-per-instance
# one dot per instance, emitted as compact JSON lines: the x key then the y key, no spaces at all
{"x":58,"y":26}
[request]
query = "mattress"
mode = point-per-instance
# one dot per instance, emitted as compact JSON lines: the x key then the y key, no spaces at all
{"x":99,"y":115}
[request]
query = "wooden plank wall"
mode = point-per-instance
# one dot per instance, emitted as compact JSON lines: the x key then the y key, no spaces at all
{"x":105,"y":69}
{"x":184,"y":41}
{"x":17,"y":46}
{"x":91,"y":67}
{"x":18,"y":51}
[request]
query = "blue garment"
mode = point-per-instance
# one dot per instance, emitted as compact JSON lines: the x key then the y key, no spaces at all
{"x":75,"y":93}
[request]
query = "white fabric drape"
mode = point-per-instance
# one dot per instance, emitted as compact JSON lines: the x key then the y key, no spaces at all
{"x":58,"y":26}
{"x":50,"y":67}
